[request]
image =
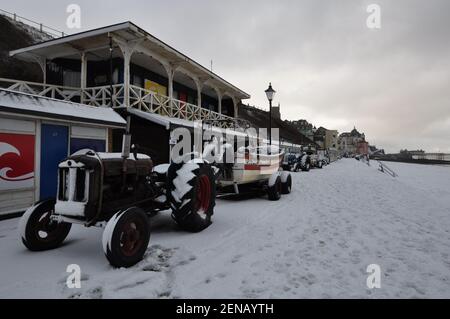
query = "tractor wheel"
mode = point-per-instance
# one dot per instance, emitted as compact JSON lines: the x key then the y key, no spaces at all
{"x":38,"y":231}
{"x":274,"y":187}
{"x":126,"y":237}
{"x":307,"y":166}
{"x":286,"y":183}
{"x":192,"y":195}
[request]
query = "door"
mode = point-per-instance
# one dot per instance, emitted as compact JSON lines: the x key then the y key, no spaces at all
{"x":54,"y":147}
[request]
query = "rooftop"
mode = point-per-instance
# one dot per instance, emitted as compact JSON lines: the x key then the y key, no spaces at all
{"x":96,"y":43}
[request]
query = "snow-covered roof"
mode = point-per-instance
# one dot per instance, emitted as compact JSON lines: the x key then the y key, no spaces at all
{"x":160,"y":119}
{"x":34,"y":105}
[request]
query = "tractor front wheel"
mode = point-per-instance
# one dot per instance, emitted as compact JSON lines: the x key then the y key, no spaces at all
{"x":38,"y":231}
{"x":126,"y":237}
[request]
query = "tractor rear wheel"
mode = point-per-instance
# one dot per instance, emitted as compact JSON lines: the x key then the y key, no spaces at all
{"x":191,"y":193}
{"x":126,"y":237}
{"x":38,"y":231}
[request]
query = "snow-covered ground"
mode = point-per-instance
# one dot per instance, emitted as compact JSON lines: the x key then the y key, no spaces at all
{"x":315,"y":243}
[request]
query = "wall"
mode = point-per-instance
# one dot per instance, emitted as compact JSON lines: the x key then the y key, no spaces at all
{"x":21,"y":157}
{"x":17,"y":164}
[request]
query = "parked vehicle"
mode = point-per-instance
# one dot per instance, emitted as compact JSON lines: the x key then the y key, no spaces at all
{"x":254,"y":168}
{"x":303,"y":163}
{"x":322,"y":158}
{"x":316,"y":162}
{"x":119,"y":191}
{"x":289,"y":161}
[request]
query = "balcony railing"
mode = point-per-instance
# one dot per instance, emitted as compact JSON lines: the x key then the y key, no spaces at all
{"x":140,"y":99}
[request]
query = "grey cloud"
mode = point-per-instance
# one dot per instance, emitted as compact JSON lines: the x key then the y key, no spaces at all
{"x":323,"y":61}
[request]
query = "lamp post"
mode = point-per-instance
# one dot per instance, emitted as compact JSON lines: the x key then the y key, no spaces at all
{"x":270,"y":93}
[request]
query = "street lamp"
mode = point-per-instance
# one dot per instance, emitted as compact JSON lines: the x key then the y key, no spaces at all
{"x":270,"y":93}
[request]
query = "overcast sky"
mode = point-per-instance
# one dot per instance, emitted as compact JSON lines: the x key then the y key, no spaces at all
{"x":324,"y":62}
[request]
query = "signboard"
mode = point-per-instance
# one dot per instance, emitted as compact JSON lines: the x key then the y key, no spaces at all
{"x":155,"y":87}
{"x":16,"y":161}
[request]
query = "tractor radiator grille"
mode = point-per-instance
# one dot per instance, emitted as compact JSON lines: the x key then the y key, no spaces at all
{"x":73,"y":184}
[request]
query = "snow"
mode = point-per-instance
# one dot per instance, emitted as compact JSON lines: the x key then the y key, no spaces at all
{"x":284,"y":176}
{"x":105,"y":156}
{"x":161,"y":169}
{"x":181,"y":182}
{"x":273,"y":179}
{"x":109,"y":229}
{"x":70,"y":208}
{"x":24,"y":220}
{"x":26,"y":102}
{"x":314,"y":243}
{"x":161,"y":120}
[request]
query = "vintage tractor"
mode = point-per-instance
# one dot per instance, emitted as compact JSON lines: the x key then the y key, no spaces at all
{"x":304,"y":163}
{"x":119,"y":191}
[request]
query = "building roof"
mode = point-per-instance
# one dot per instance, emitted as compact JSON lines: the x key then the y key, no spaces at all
{"x":25,"y":104}
{"x":352,"y":133}
{"x":97,"y":41}
{"x":355,"y":132}
{"x":173,"y":122}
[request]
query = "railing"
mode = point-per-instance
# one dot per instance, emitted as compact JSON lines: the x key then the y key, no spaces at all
{"x":64,"y":93}
{"x":50,"y":32}
{"x":140,"y":99}
{"x":386,"y":169}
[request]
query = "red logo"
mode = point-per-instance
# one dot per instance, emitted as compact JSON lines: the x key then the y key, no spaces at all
{"x":16,"y":158}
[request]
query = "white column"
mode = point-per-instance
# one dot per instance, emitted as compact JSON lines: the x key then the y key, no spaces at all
{"x":235,"y":104}
{"x":42,"y":61}
{"x":219,"y":98}
{"x":199,"y":86}
{"x":127,"y":52}
{"x":127,"y":48}
{"x":170,"y":75}
{"x":83,"y":75}
{"x":44,"y":71}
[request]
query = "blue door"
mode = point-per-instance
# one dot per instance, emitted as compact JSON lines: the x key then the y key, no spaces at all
{"x":54,"y":148}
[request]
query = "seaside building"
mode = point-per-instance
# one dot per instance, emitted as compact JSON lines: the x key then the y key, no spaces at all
{"x":352,"y":143}
{"x":101,"y":73}
{"x":326,"y":139}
